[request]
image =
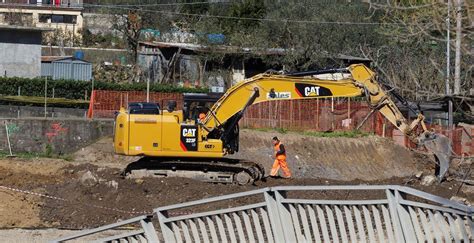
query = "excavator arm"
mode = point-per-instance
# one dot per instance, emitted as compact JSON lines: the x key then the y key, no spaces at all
{"x":221,"y":121}
{"x":268,"y":87}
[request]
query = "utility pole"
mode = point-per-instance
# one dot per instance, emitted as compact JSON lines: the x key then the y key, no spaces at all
{"x":448,"y":68}
{"x":457,"y":60}
{"x":45,"y":97}
{"x":148,"y":86}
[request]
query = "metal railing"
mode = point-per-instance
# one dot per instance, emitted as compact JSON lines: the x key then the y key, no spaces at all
{"x":147,"y":232}
{"x":360,"y":213}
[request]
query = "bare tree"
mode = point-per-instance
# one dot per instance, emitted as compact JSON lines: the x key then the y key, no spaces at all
{"x":421,"y":22}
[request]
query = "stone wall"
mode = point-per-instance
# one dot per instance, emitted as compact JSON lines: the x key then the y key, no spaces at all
{"x":59,"y":136}
{"x":13,"y":111}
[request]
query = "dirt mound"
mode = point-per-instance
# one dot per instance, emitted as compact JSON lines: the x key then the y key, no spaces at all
{"x":102,"y":153}
{"x":20,"y":209}
{"x":367,"y":158}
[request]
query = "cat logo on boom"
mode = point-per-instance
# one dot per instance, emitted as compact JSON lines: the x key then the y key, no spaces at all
{"x":311,"y":90}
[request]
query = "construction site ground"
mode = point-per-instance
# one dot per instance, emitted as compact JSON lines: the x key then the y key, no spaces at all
{"x":88,"y":190}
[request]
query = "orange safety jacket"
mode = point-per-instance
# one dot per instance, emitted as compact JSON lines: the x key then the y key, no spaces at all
{"x":280,"y":151}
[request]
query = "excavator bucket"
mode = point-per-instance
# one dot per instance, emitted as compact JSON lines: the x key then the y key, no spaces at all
{"x":440,"y":146}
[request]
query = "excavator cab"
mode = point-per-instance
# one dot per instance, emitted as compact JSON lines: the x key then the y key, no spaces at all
{"x":145,"y":128}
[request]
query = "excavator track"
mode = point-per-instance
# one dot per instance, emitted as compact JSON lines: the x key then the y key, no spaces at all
{"x":224,"y":170}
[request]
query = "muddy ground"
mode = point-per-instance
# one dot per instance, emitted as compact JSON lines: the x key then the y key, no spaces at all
{"x":89,"y":190}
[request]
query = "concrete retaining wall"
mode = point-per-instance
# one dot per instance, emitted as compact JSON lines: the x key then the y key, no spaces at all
{"x":12,"y":111}
{"x":60,"y":136}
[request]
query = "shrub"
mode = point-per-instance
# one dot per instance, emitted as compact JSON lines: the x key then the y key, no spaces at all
{"x":71,"y":89}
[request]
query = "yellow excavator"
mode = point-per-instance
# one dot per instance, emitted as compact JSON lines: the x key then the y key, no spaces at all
{"x":175,"y":143}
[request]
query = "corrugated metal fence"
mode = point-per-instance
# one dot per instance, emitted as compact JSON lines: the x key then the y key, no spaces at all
{"x":314,"y":214}
{"x":67,"y":69}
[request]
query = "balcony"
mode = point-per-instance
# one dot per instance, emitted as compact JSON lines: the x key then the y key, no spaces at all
{"x":41,"y":3}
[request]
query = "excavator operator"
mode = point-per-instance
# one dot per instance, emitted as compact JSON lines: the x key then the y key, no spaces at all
{"x":280,"y":159}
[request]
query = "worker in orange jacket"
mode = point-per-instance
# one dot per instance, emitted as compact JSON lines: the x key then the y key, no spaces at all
{"x":280,"y":159}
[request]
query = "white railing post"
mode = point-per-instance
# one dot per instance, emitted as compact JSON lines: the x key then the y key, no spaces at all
{"x":285,"y":219}
{"x":275,"y":222}
{"x":150,"y":232}
{"x":392,"y":204}
{"x":405,"y":219}
{"x":167,"y":233}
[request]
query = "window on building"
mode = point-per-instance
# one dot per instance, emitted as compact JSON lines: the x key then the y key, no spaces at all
{"x":44,"y":18}
{"x":70,"y":19}
{"x":56,"y":18}
{"x":15,"y":18}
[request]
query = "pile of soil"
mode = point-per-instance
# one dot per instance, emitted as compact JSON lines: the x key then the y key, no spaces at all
{"x":366,"y":158}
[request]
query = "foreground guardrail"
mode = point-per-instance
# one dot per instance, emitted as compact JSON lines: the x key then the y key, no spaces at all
{"x":360,"y":213}
{"x":147,"y":232}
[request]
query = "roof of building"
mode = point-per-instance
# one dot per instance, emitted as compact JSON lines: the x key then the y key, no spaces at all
{"x":239,"y":50}
{"x":60,"y":58}
{"x":24,"y":28}
{"x":216,"y":48}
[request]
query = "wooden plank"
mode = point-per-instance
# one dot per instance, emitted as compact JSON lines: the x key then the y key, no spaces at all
{"x":470,"y":226}
{"x":462,"y":228}
{"x":350,"y":223}
{"x":378,"y":224}
{"x":203,"y":230}
{"x":212,"y":229}
{"x":304,"y":220}
{"x":177,"y":232}
{"x":220,"y":228}
{"x":230,"y":228}
{"x":388,"y":223}
{"x":368,"y":223}
{"x":426,"y":225}
{"x":322,"y":222}
{"x":248,"y":226}
{"x":416,"y":224}
{"x":314,"y":223}
{"x":266,"y":225}
{"x":453,"y":228}
{"x":185,"y":229}
{"x":258,"y":227}
{"x":194,"y":231}
{"x":238,"y":225}
{"x":360,"y":225}
{"x":434,"y":226}
{"x":441,"y":221}
{"x":296,"y":223}
{"x":142,"y":239}
{"x":341,"y":224}
{"x":332,"y":224}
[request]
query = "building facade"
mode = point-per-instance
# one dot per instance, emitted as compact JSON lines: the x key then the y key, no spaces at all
{"x":65,"y":15}
{"x":22,"y":46}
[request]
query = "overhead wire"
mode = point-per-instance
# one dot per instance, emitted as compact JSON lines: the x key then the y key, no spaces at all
{"x":154,"y":4}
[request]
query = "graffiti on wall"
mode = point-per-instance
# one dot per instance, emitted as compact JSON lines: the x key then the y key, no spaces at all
{"x":12,"y":128}
{"x":55,"y":130}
